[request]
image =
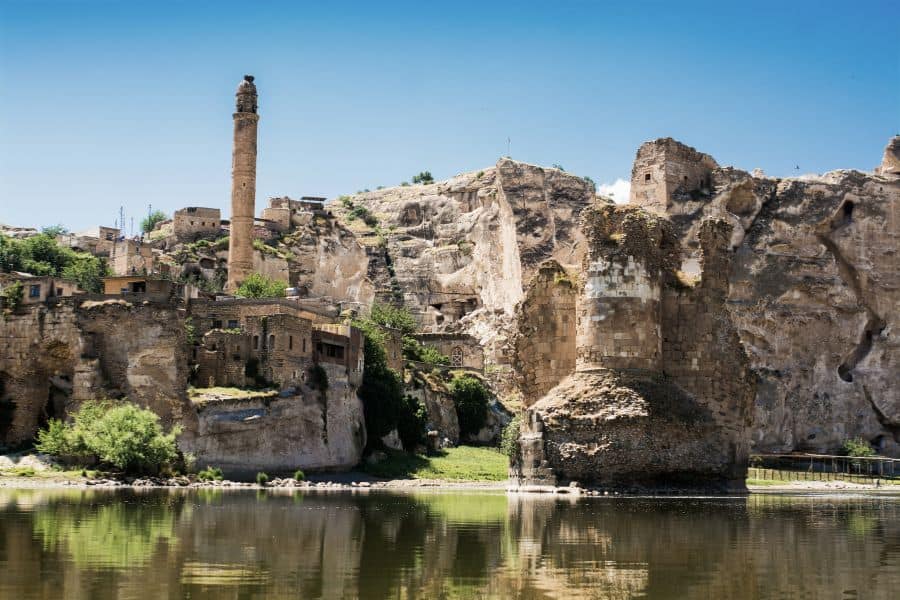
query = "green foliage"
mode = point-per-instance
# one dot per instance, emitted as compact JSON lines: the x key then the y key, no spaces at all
{"x":42,"y":255}
{"x":122,"y":436}
{"x":470,"y":396}
{"x":424,"y":178}
{"x":299,"y":475}
{"x":87,"y":271}
{"x":54,"y":230}
{"x":260,"y":286}
{"x":404,"y":184}
{"x":464,"y":463}
{"x":262,"y":478}
{"x":347,"y":201}
{"x":413,"y":350}
{"x":381,"y":391}
{"x":12,"y":294}
{"x":362,"y":213}
{"x":857,"y":447}
{"x":591,"y":183}
{"x":210,"y":474}
{"x":411,"y":422}
{"x":152,"y":220}
{"x":190,"y":330}
{"x":509,"y":439}
{"x":558,"y":166}
{"x":395,"y":317}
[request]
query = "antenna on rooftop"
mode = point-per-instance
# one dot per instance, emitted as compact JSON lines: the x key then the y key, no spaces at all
{"x":507,"y":148}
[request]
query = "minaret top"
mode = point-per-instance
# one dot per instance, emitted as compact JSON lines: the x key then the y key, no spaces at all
{"x":246,"y":95}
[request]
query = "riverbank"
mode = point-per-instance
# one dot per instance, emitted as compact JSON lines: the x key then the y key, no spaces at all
{"x":462,"y":469}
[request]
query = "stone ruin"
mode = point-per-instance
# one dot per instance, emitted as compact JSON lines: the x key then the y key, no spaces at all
{"x":661,"y":389}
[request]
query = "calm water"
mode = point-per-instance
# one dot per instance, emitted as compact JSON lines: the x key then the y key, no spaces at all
{"x":246,"y":544}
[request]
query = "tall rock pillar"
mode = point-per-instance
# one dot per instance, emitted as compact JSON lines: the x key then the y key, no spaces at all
{"x":243,"y":185}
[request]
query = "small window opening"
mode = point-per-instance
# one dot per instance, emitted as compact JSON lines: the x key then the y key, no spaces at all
{"x":647,"y":177}
{"x":271,"y":342}
{"x":290,"y":342}
{"x":256,"y":342}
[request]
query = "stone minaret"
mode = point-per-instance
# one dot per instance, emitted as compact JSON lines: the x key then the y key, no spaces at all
{"x":243,"y":185}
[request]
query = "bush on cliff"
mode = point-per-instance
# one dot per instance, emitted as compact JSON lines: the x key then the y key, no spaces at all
{"x":260,"y":286}
{"x":43,"y":255}
{"x":150,"y":222}
{"x":122,"y":436}
{"x":381,"y":391}
{"x":509,"y":439}
{"x":470,"y":396}
{"x":411,"y":423}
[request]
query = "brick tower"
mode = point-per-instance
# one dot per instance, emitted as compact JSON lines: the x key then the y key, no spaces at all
{"x":243,"y":185}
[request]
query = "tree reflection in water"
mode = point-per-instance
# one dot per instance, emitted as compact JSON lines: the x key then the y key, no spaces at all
{"x":235,"y":544}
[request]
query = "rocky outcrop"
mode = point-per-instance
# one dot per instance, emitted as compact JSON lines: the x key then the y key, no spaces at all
{"x":57,"y":355}
{"x":312,"y":430}
{"x":466,"y":247}
{"x":814,"y":292}
{"x":661,"y":391}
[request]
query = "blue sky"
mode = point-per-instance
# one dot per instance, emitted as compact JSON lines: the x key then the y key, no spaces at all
{"x":108,"y":104}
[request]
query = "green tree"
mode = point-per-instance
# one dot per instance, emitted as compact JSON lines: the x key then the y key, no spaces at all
{"x":424,"y":177}
{"x":470,"y":396}
{"x":411,"y":422}
{"x":120,"y":435}
{"x":395,"y":317}
{"x":152,"y":220}
{"x":12,"y":294}
{"x":260,"y":286}
{"x":87,"y":271}
{"x":54,"y":230}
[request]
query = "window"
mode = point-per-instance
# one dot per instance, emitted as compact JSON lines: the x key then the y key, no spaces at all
{"x":456,"y":357}
{"x":271,"y":342}
{"x":291,"y":343}
{"x":256,"y":342}
{"x":304,"y":344}
{"x":217,"y":324}
{"x":34,"y":291}
{"x":59,"y":291}
{"x":647,"y":177}
{"x":232,"y":323}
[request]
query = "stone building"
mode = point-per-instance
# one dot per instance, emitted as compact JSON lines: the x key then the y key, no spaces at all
{"x":98,"y":240}
{"x":131,"y":257}
{"x":664,"y":168}
{"x":461,"y":348}
{"x":245,"y":342}
{"x":194,"y":222}
{"x":661,"y":389}
{"x":37,"y":289}
{"x":243,"y":184}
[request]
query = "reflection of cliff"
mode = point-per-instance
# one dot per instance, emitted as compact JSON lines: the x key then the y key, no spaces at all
{"x":238,"y":544}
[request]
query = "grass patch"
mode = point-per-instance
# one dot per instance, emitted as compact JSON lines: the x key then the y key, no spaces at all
{"x":465,"y":463}
{"x":212,"y":394}
{"x":763,"y":482}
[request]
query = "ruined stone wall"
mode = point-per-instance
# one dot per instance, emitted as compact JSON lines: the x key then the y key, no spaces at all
{"x":59,"y":354}
{"x":664,"y":168}
{"x":545,"y":341}
{"x":221,"y":359}
{"x":462,"y":349}
{"x":194,"y":222}
{"x":618,"y":309}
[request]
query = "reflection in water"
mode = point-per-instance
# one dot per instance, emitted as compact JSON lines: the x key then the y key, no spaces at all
{"x":238,"y":544}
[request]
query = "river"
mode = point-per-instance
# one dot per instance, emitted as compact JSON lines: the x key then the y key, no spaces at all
{"x":237,"y":544}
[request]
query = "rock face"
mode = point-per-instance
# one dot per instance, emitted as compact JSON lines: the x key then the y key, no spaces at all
{"x":311,"y":430}
{"x":57,"y":355}
{"x":661,"y":390}
{"x":814,"y":291}
{"x":469,"y":244}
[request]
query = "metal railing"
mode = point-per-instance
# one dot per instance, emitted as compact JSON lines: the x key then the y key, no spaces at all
{"x":823,"y":467}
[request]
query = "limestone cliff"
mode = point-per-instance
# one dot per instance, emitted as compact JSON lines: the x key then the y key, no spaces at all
{"x":815,"y":294}
{"x":460,"y":251}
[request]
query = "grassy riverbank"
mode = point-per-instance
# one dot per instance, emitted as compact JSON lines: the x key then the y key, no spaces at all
{"x":464,"y":463}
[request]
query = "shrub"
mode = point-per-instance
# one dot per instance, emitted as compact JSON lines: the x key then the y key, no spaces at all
{"x":150,"y":222}
{"x":12,"y":294}
{"x":396,"y":317}
{"x":509,"y":439}
{"x":470,"y":396}
{"x":857,"y":447}
{"x":42,"y":255}
{"x":318,"y":378}
{"x":210,"y":474}
{"x":262,"y":478}
{"x":123,"y":436}
{"x":424,"y":178}
{"x":260,"y":286}
{"x":299,"y":475}
{"x":411,"y":422}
